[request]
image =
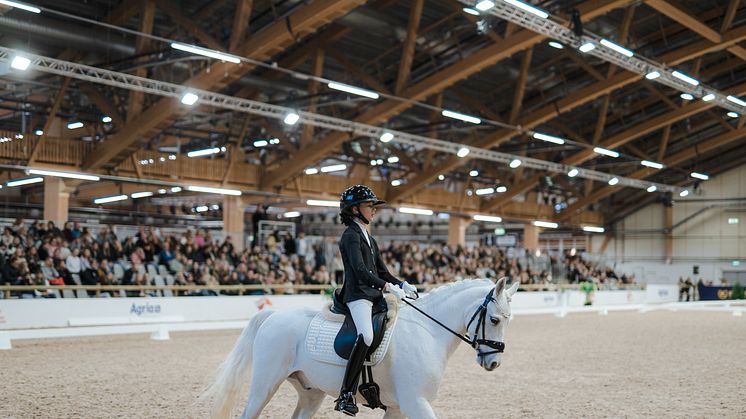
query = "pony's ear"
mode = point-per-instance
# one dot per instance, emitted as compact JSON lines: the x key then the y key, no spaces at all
{"x":513,"y":288}
{"x":499,"y":286}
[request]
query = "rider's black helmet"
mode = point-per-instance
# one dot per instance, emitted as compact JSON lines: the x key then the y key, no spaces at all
{"x":355,"y":195}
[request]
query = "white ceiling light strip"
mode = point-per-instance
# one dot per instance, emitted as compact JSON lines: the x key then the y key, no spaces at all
{"x":597,"y":46}
{"x":126,"y":81}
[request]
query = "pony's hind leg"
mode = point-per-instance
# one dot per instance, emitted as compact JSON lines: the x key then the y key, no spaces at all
{"x":309,"y":400}
{"x":268,"y":372}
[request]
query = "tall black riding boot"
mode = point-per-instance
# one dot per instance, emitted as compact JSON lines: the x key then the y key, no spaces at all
{"x":346,"y":401}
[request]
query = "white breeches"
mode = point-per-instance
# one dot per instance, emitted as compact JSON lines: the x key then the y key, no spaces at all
{"x":361,"y":311}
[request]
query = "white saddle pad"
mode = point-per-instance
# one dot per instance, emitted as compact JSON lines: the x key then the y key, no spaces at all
{"x":324,"y":328}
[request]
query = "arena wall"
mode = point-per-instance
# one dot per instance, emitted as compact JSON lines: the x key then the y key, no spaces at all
{"x":702,"y":234}
{"x":58,"y":313}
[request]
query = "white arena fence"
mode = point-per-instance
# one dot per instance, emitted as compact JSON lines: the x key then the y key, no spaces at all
{"x":59,"y":318}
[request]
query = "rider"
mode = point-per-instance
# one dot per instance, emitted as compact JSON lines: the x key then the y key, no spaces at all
{"x":366,"y":277}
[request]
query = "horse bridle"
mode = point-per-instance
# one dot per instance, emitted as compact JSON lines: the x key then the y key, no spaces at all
{"x":481,"y":316}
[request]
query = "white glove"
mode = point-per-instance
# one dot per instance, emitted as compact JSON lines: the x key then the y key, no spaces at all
{"x":409,"y":289}
{"x":396,"y":291}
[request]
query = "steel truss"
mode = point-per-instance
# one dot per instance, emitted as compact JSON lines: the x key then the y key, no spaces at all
{"x":635,"y":64}
{"x":354,"y":129}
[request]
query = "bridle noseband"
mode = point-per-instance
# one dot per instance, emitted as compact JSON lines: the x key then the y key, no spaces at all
{"x":481,"y":316}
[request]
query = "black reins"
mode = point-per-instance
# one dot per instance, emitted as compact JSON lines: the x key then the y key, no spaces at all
{"x":481,"y":316}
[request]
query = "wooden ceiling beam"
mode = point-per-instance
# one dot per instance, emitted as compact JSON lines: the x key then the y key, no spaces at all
{"x":405,"y":64}
{"x":262,"y":46}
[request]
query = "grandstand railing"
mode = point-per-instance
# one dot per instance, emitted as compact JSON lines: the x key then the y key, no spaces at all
{"x":175,"y":290}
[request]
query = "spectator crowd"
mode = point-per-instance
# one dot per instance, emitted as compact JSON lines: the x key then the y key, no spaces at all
{"x":41,"y":253}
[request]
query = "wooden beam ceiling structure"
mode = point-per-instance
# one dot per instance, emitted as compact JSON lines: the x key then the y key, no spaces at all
{"x":265,"y":44}
{"x":475,"y":62}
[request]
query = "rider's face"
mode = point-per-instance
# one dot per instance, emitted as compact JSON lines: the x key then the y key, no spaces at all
{"x":367,"y":210}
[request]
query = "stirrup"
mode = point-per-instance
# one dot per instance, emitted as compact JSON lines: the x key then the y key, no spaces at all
{"x":346,"y":404}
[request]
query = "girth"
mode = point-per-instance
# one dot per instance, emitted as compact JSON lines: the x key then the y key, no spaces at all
{"x":347,"y":335}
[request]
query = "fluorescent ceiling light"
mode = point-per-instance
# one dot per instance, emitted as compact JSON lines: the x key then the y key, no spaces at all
{"x":652,"y":164}
{"x":684,"y":77}
{"x":501,"y":189}
{"x":395,"y":182}
{"x":386,"y":137}
{"x":176,"y":189}
{"x":55,"y":173}
{"x":461,"y":117}
{"x":515,"y":163}
{"x":699,"y":176}
{"x":215,"y":207}
{"x":441,"y":177}
{"x":393,"y":159}
{"x":613,"y":181}
{"x":206,"y":52}
{"x":22,"y":6}
{"x":485,"y":191}
{"x":485,"y":5}
{"x":463,"y":152}
{"x":311,"y":171}
{"x":322,"y":203}
{"x":291,"y":118}
{"x":548,"y":138}
{"x":555,"y":44}
{"x":20,"y":62}
{"x":652,"y":188}
{"x":708,"y":97}
{"x":207,"y":189}
{"x":333,"y":168}
{"x":653,"y":75}
{"x":686,"y":96}
{"x":733,"y":220}
{"x":474,"y":173}
{"x":592,"y":229}
{"x":27,"y":181}
{"x":606,"y":152}
{"x":736,"y":100}
{"x":545,"y":224}
{"x":161,"y":191}
{"x":291,"y":214}
{"x":172,"y":156}
{"x":488,"y":218}
{"x":527,"y":7}
{"x":618,"y":48}
{"x":373,"y":162}
{"x":261,"y":143}
{"x":379,"y":162}
{"x":39,"y":132}
{"x":274,"y":141}
{"x":354,"y":90}
{"x":19,"y":136}
{"x":470,"y":11}
{"x":106,"y":119}
{"x":203,"y":152}
{"x":588,"y":46}
{"x":141,"y":195}
{"x":417,"y":211}
{"x":189,"y":98}
{"x":75,"y":125}
{"x":202,"y":208}
{"x":684,"y":193}
{"x":573,"y":173}
{"x":732,"y":114}
{"x":108,"y":199}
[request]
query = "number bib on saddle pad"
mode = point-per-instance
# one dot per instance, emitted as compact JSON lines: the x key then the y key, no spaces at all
{"x":324,"y":330}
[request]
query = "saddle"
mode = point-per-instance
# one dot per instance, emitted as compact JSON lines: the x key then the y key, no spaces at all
{"x":347,"y":335}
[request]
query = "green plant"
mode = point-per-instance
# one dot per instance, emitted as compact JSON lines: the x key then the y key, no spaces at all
{"x":737,"y":291}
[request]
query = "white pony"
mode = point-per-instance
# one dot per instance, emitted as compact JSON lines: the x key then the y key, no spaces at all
{"x":272,"y":349}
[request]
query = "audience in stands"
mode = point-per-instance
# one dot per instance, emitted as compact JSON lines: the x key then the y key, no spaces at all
{"x":39,"y":253}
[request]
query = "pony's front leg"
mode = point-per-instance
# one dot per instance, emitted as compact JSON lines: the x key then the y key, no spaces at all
{"x":416,"y":408}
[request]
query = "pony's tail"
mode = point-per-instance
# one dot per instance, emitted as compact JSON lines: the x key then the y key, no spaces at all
{"x":225,"y":388}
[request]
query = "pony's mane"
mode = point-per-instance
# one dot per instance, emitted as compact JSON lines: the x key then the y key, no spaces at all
{"x":438,"y":295}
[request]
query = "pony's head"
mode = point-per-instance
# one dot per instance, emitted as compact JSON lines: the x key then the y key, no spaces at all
{"x":491,"y":331}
